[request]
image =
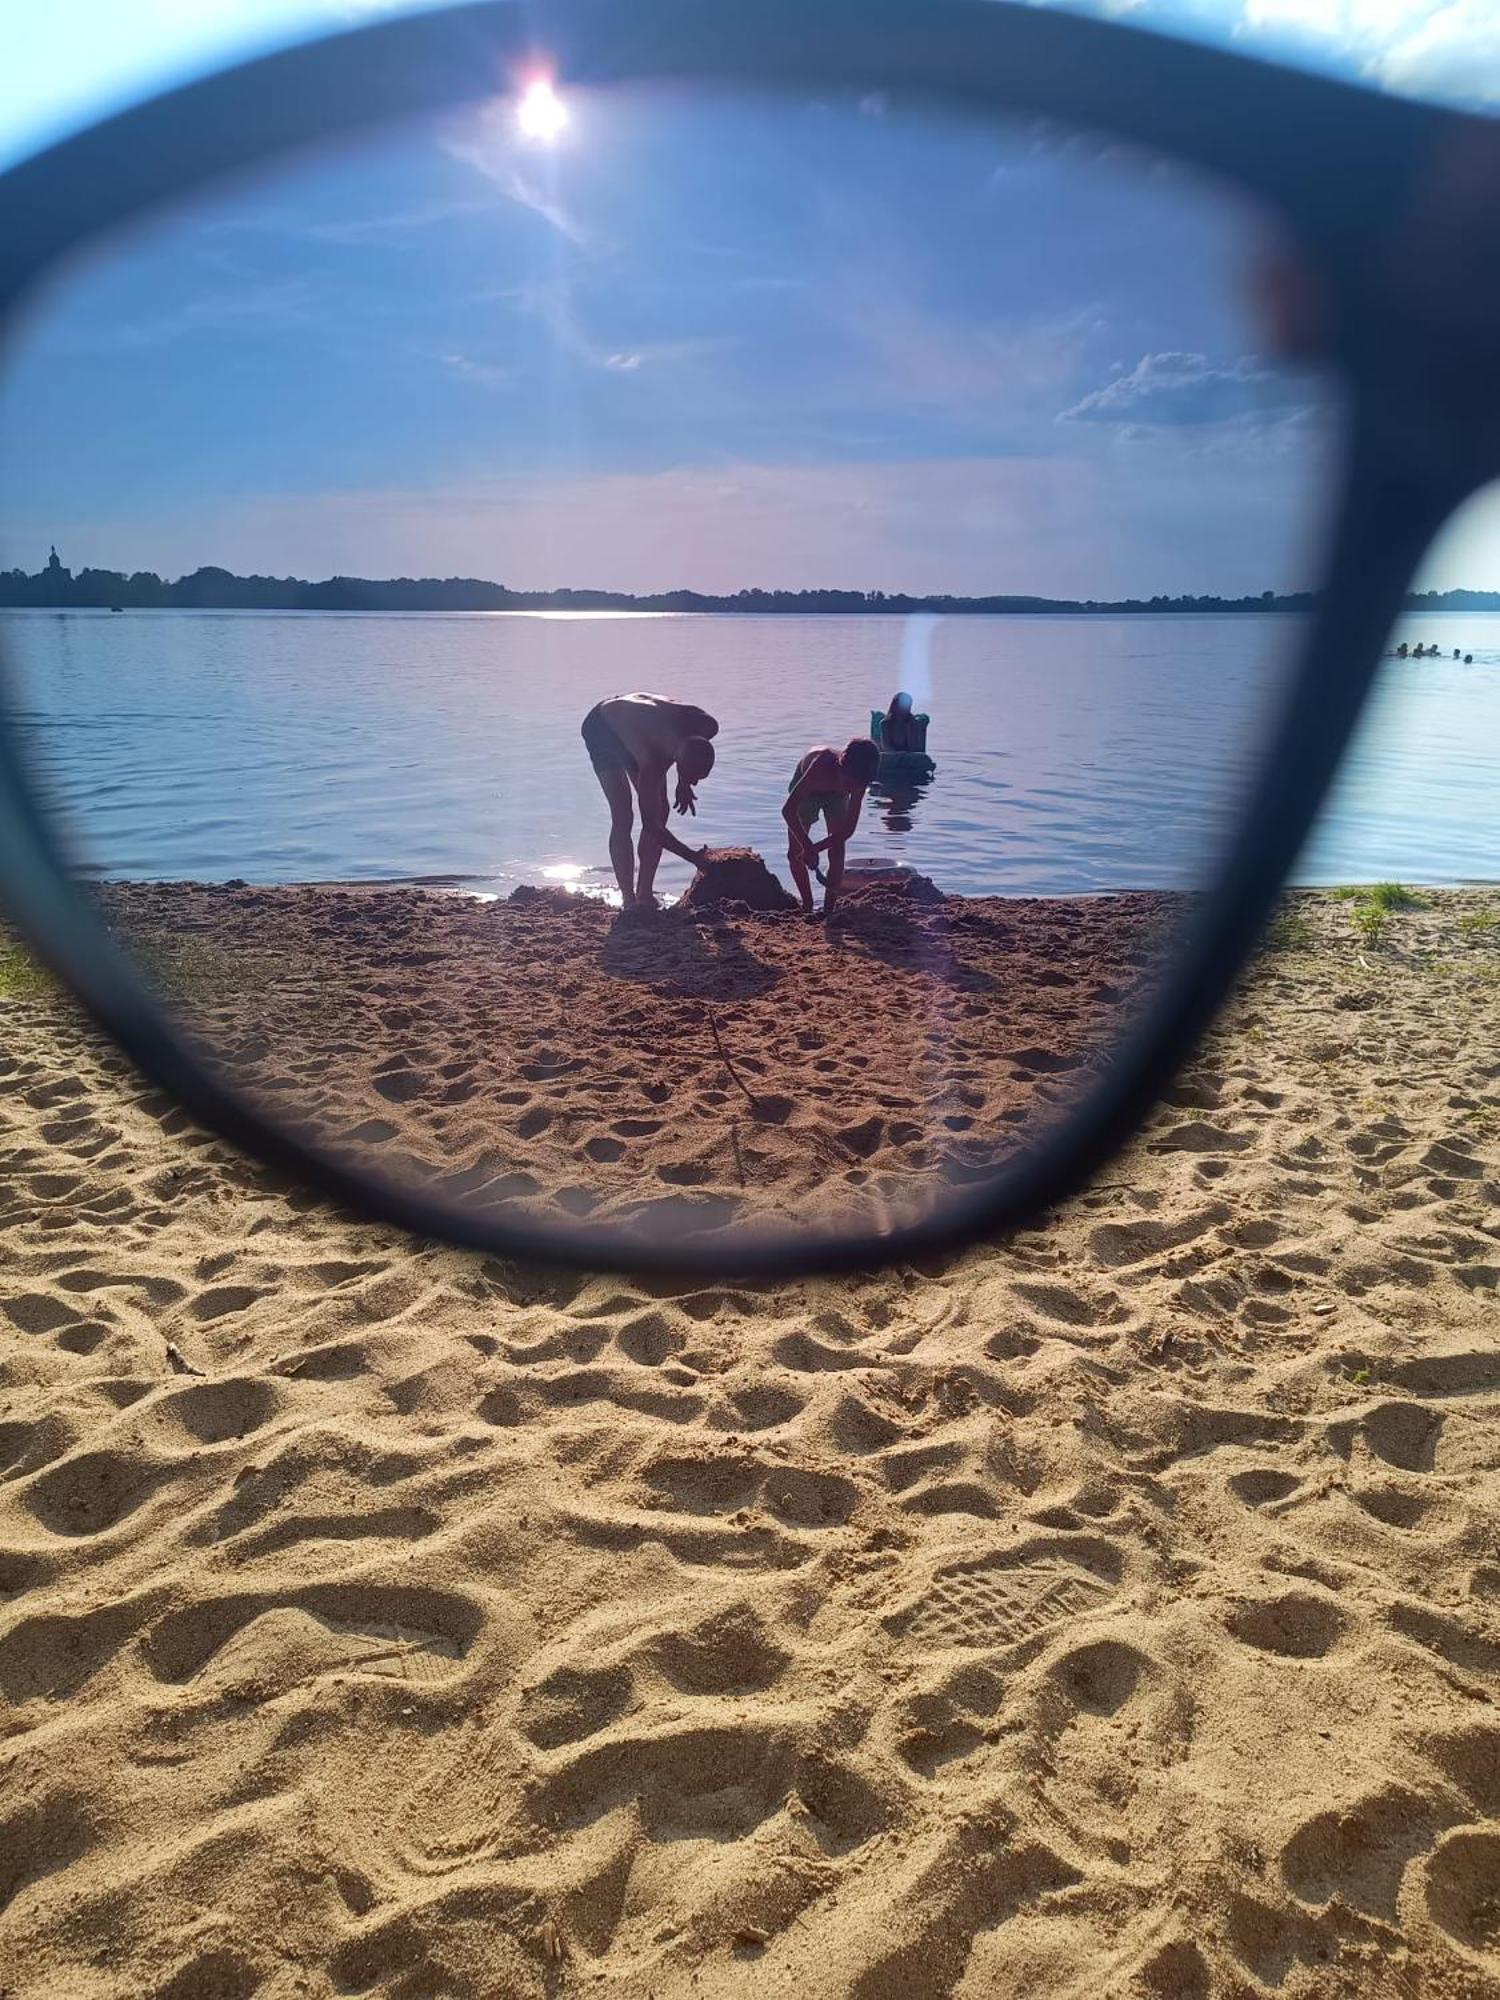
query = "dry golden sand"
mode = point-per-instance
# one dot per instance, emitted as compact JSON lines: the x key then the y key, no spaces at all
{"x":1113,"y":1613}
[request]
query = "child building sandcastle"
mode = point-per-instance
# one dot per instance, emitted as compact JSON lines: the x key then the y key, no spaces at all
{"x":738,"y":879}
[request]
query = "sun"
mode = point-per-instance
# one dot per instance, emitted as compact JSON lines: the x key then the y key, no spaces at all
{"x":541,"y":114}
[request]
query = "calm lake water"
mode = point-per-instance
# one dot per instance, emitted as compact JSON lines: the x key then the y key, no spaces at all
{"x":1074,"y":754}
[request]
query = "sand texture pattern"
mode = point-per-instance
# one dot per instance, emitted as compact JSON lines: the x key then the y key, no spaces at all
{"x":1115,"y":1612}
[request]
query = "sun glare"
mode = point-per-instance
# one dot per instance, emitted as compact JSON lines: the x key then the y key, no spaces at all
{"x":541,"y":113}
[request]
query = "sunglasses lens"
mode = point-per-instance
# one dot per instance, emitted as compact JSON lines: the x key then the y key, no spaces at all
{"x":456,"y":534}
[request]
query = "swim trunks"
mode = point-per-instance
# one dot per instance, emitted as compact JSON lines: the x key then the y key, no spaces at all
{"x":606,"y":751}
{"x":828,"y":803}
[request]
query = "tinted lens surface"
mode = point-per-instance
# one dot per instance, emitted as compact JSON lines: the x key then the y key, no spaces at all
{"x":397,"y":464}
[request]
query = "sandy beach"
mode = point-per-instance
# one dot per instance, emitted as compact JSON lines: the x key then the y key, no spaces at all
{"x":1111,"y":1612}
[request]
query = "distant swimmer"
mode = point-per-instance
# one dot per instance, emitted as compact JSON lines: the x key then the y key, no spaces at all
{"x":635,"y":740}
{"x":832,"y":783}
{"x":900,"y":729}
{"x":1403,"y":649}
{"x":1468,"y":659}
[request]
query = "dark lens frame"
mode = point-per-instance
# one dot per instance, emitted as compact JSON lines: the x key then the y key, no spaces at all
{"x":1341,"y":168}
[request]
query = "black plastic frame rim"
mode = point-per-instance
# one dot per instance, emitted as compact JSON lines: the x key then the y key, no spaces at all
{"x":1336,"y":163}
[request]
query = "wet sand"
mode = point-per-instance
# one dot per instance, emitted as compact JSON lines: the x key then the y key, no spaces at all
{"x":1114,"y":1612}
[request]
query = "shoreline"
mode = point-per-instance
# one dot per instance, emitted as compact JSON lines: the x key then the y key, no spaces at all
{"x":459,"y":885}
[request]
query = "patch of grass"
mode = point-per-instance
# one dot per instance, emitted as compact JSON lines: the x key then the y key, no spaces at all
{"x":21,"y":978}
{"x":1479,"y":923}
{"x":1393,"y":896}
{"x":1466,"y":973}
{"x":1371,"y":903}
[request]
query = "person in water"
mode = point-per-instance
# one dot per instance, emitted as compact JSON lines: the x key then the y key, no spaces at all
{"x":634,"y":740}
{"x":832,"y":783}
{"x":900,"y":731}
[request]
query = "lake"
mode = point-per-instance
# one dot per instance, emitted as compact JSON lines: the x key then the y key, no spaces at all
{"x":1074,"y":754}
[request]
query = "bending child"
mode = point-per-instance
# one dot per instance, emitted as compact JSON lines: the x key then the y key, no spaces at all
{"x":832,"y":783}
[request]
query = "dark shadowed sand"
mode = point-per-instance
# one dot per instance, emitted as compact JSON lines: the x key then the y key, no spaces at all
{"x":689,"y":1069}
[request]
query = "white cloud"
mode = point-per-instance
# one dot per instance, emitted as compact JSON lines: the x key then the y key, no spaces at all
{"x":1428,"y":48}
{"x":487,"y":374}
{"x":554,"y":305}
{"x":1184,"y":389}
{"x":1453,"y":53}
{"x":287,"y":307}
{"x":485,"y":141}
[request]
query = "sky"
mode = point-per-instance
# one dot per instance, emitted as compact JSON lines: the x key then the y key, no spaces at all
{"x":687,"y":344}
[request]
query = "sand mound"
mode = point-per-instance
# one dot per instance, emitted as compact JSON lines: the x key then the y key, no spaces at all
{"x":1115,"y":1611}
{"x":902,"y":889}
{"x":736,"y":876}
{"x":527,"y":896}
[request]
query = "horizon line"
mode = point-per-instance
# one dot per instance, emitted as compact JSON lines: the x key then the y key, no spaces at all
{"x":98,"y":588}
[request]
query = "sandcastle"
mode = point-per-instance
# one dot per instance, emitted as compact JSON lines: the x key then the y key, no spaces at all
{"x":736,"y":876}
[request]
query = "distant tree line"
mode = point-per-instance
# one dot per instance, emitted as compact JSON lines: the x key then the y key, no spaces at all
{"x":58,"y":588}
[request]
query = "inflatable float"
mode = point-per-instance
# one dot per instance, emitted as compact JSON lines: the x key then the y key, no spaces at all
{"x":907,"y":764}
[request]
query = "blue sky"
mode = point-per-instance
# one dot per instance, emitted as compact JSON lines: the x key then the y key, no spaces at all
{"x":704,"y":345}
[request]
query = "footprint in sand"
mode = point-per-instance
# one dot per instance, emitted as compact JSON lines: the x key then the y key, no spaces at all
{"x":216,"y":1974}
{"x":759,"y":1406}
{"x":1002,"y":1599}
{"x":1297,"y":1625}
{"x":92,"y":1492}
{"x":1360,"y":1852}
{"x":410,"y":1631}
{"x":1462,"y":1891}
{"x":1263,"y":1486}
{"x":724,"y":1485}
{"x":46,"y":1836}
